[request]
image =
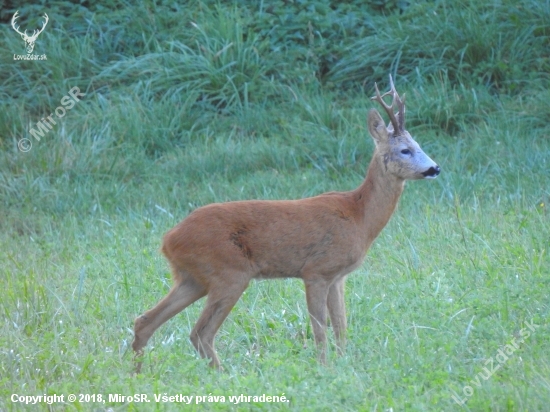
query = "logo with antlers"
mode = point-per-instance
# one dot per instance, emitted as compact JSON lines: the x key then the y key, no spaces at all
{"x":29,"y":40}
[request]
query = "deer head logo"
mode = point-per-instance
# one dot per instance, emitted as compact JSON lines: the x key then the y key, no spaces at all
{"x":29,"y":39}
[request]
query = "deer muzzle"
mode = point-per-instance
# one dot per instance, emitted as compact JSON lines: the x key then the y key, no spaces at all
{"x":432,"y":172}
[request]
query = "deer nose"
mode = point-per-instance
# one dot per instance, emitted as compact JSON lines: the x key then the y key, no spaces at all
{"x":432,"y":172}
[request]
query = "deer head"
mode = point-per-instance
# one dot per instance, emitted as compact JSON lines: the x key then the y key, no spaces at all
{"x":29,"y":39}
{"x":399,"y":152}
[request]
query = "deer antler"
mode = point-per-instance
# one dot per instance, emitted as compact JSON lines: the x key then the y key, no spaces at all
{"x":35,"y":32}
{"x":46,"y":20}
{"x":15,"y":16}
{"x":397,"y":121}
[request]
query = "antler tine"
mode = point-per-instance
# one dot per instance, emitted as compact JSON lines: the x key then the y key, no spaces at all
{"x":400,"y":106}
{"x":388,"y":108}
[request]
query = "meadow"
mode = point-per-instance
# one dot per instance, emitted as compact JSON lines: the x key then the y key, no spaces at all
{"x":185,"y":105}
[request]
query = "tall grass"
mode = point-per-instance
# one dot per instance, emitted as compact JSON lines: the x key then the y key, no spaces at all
{"x":502,"y":45}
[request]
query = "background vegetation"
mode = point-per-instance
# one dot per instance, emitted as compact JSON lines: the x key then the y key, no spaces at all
{"x":201,"y":102}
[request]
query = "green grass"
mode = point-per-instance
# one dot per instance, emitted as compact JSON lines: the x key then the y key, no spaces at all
{"x":166,"y":126}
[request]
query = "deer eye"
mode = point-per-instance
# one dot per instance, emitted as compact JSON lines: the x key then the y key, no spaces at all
{"x":406,"y":151}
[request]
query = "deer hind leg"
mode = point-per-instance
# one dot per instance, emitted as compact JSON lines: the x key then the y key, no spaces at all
{"x":337,"y":311}
{"x":182,"y":294}
{"x":316,"y":296}
{"x":221,"y":299}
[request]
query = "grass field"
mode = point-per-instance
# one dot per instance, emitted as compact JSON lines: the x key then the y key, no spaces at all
{"x":194,"y":105}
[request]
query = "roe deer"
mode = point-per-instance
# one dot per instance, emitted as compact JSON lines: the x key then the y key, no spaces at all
{"x":219,"y":248}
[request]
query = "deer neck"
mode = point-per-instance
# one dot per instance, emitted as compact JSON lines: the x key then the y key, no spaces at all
{"x":377,"y":198}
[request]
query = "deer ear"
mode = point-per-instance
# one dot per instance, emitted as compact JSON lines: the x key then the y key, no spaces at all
{"x":377,"y":127}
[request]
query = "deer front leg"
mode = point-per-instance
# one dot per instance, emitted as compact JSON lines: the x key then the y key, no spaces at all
{"x":337,"y":311}
{"x":316,"y":296}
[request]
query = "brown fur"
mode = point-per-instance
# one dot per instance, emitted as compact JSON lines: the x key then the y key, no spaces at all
{"x":219,"y":248}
